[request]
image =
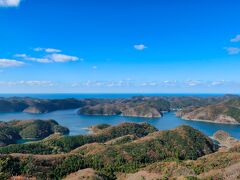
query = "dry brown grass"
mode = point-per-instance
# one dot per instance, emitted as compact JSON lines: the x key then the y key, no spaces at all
{"x":90,"y":149}
{"x":84,"y":174}
{"x":22,"y":178}
{"x":230,"y":173}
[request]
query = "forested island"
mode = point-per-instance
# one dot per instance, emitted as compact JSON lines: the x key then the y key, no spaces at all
{"x":13,"y":131}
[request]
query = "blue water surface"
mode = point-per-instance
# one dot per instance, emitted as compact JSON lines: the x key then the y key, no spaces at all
{"x":77,"y":123}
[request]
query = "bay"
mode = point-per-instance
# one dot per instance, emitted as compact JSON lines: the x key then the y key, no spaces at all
{"x":78,"y":123}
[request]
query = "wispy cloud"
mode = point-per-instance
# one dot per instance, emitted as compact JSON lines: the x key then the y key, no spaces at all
{"x":232,"y":50}
{"x":140,"y":47}
{"x":152,"y":84}
{"x":218,"y":83}
{"x":47,"y":50}
{"x":5,"y":63}
{"x":26,"y":83}
{"x":193,"y":83}
{"x":156,"y":86}
{"x":9,"y":3}
{"x":28,"y":58}
{"x":236,"y":39}
{"x":61,"y":58}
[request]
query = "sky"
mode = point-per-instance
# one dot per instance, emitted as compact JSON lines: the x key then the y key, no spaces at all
{"x":120,"y":46}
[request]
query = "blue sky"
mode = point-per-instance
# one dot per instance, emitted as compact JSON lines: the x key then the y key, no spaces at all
{"x":120,"y":46}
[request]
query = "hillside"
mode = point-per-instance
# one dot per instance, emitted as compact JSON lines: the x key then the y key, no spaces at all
{"x":32,"y":105}
{"x":12,"y":131}
{"x":139,"y":106}
{"x":223,"y":112}
{"x":216,"y":166}
{"x":125,"y":148}
{"x":136,"y":106}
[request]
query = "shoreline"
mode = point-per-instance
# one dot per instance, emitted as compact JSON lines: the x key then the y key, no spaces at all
{"x":120,"y":116}
{"x":209,"y":121}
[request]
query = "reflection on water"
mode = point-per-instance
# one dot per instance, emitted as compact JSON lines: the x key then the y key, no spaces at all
{"x":77,"y":123}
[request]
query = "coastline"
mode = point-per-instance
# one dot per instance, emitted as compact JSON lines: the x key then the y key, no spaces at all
{"x":121,"y":116}
{"x":209,"y":121}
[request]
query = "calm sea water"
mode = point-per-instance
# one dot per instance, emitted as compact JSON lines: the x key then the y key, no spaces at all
{"x":76,"y":123}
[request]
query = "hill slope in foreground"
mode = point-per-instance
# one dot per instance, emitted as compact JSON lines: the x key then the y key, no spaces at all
{"x":117,"y":152}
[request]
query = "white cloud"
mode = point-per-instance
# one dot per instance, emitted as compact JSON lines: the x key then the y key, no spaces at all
{"x":40,"y":60}
{"x":47,"y":50}
{"x":218,"y":83}
{"x":193,"y":83}
{"x":232,"y":50}
{"x":156,"y":84}
{"x":236,"y":39}
{"x":28,"y":58}
{"x":27,"y":83}
{"x":9,"y":3}
{"x":20,"y":55}
{"x":62,"y":58}
{"x":50,"y":58}
{"x":4,"y":63}
{"x":190,"y":84}
{"x":140,"y":47}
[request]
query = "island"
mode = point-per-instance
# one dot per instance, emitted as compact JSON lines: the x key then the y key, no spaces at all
{"x":217,"y":109}
{"x":13,"y":131}
{"x":226,"y":111}
{"x":147,"y":107}
{"x":35,"y":105}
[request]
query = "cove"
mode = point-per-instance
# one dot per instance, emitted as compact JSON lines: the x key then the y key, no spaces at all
{"x":77,"y":124}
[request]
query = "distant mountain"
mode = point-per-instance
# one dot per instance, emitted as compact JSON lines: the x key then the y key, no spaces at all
{"x":149,"y":107}
{"x":139,"y":106}
{"x":227,"y":111}
{"x":32,"y":105}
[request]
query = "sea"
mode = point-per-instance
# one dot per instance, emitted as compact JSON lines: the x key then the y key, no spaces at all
{"x":78,"y":124}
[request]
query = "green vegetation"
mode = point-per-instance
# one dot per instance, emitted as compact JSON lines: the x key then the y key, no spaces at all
{"x":44,"y":106}
{"x":118,"y":149}
{"x":32,"y":105}
{"x":234,"y":112}
{"x":12,"y":105}
{"x":136,"y":106}
{"x":8,"y":135}
{"x":9,"y":166}
{"x":68,"y":143}
{"x":102,"y":126}
{"x":11,"y":132}
{"x":122,"y":140}
{"x":227,"y":111}
{"x":99,"y":127}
